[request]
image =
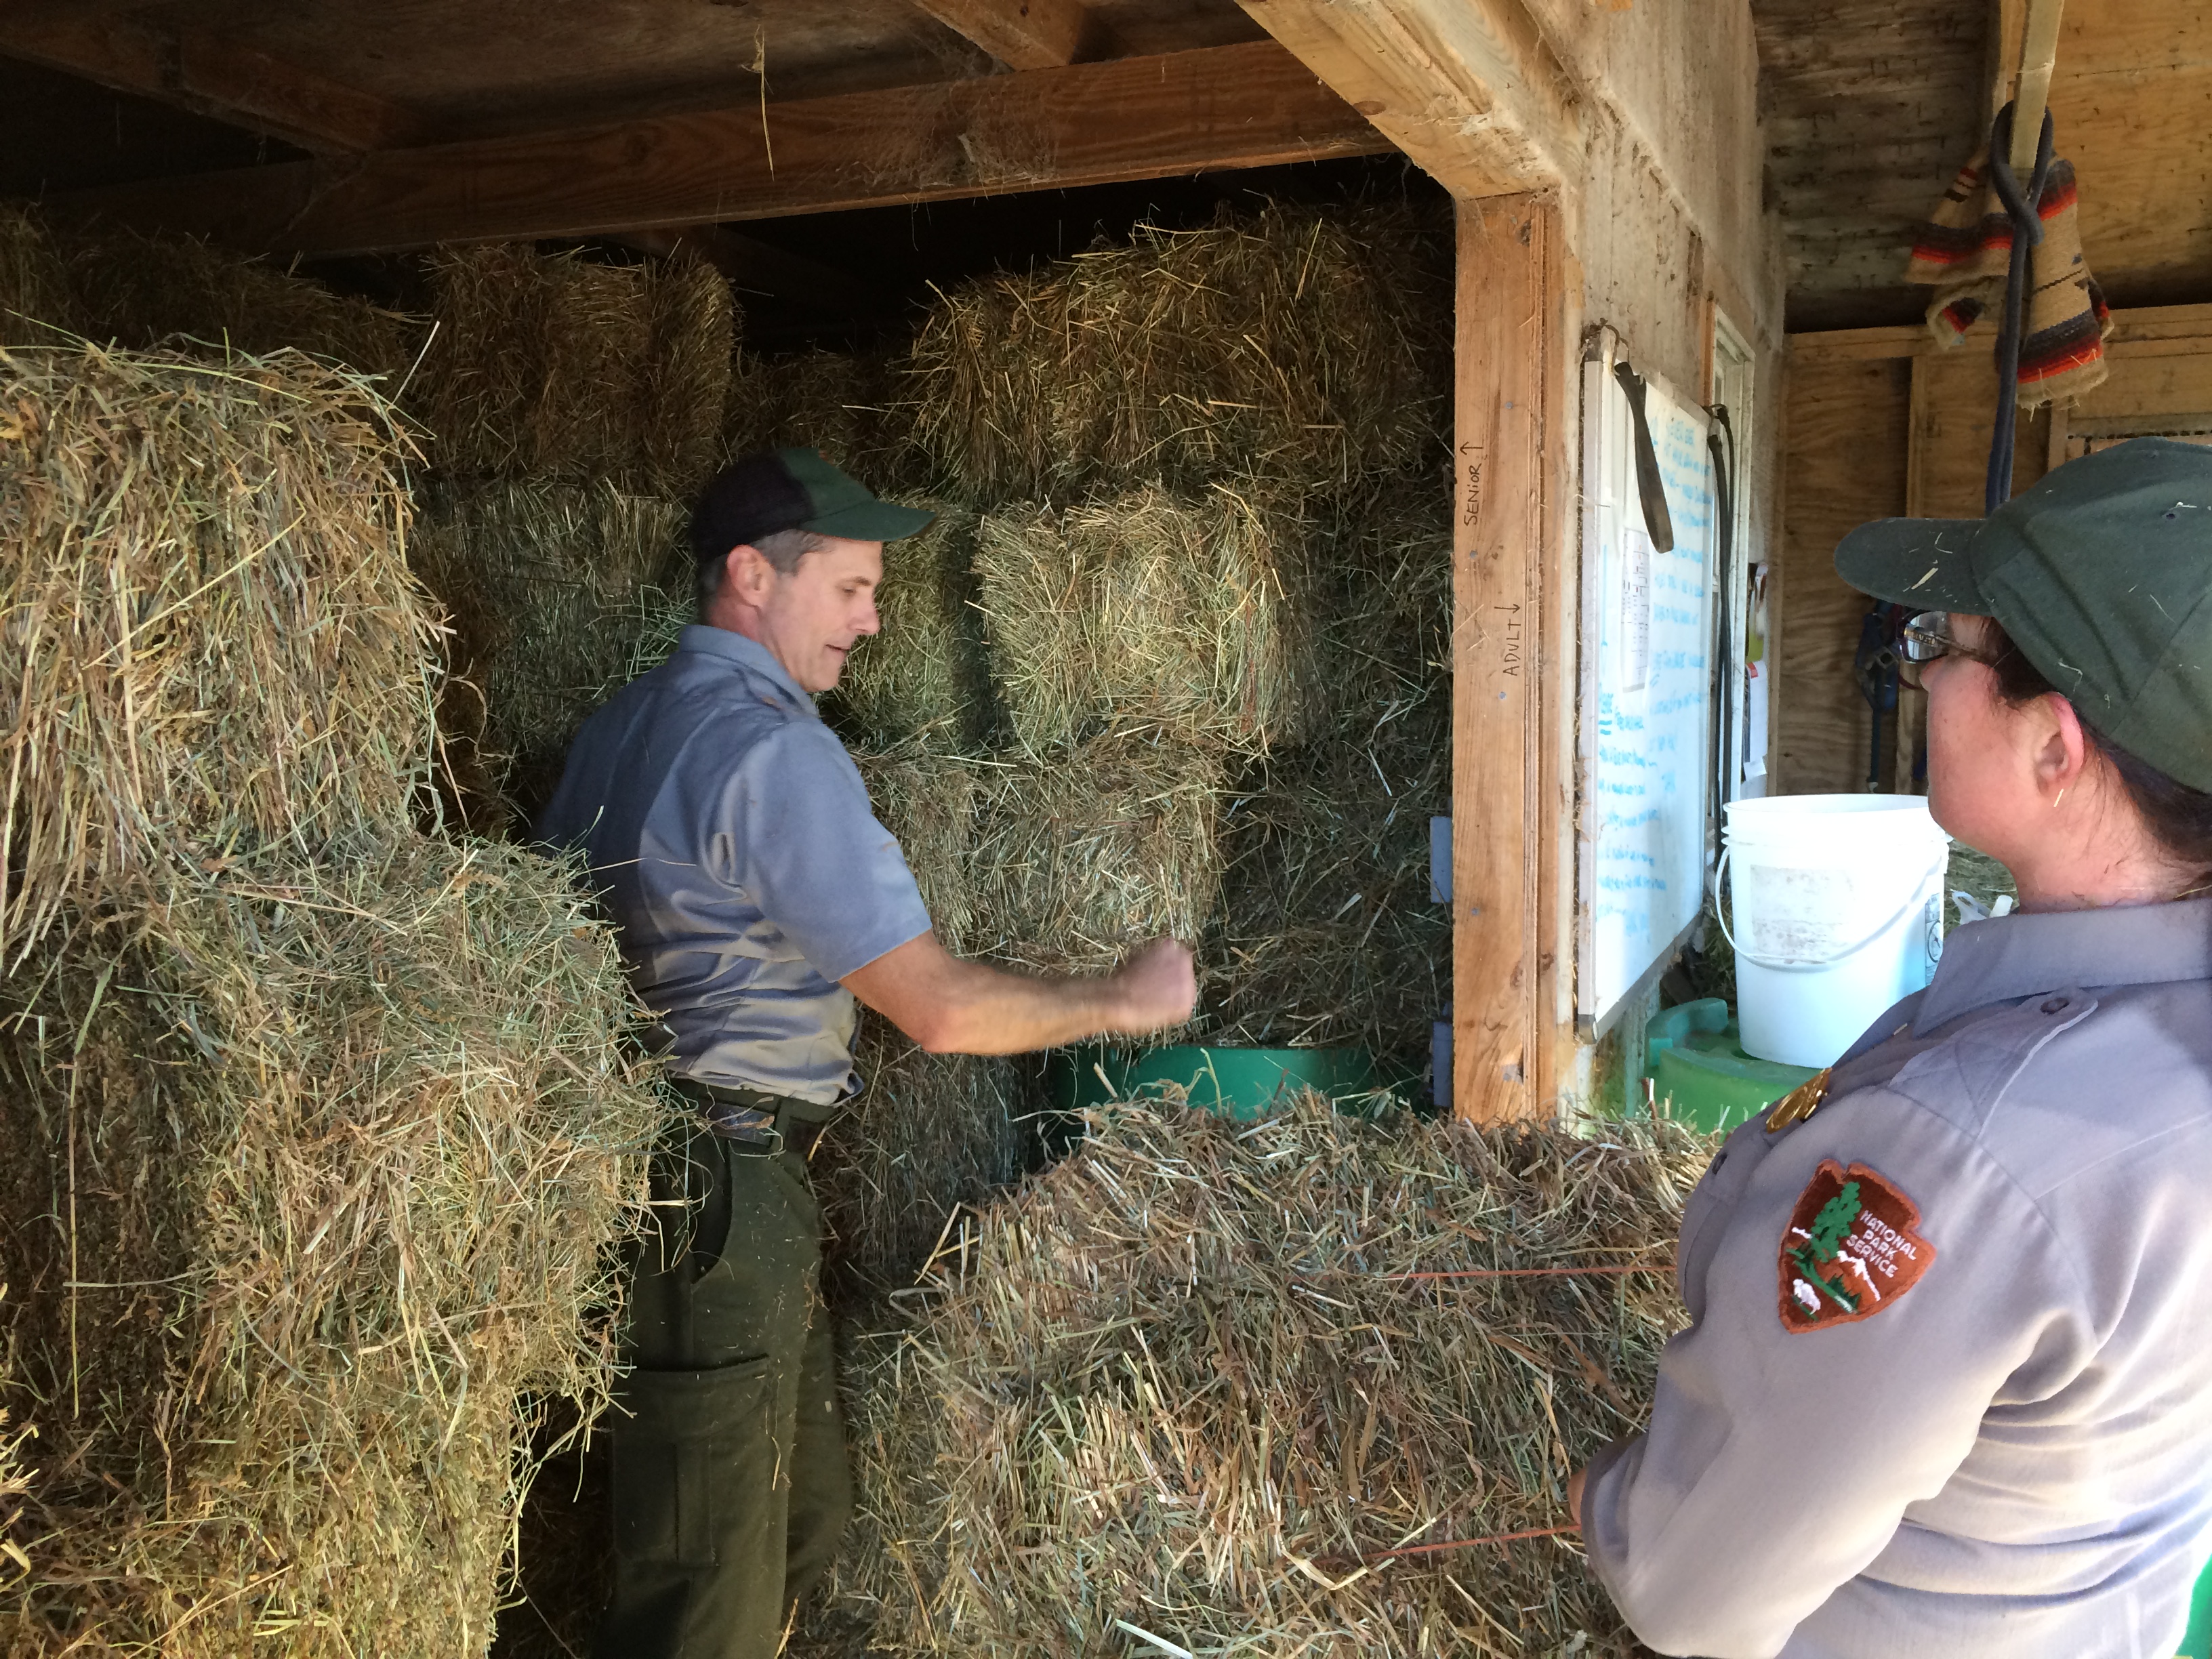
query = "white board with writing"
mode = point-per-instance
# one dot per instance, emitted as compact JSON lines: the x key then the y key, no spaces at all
{"x":1646,"y":718}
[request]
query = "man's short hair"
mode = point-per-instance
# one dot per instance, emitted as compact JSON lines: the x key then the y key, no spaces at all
{"x":782,"y":549}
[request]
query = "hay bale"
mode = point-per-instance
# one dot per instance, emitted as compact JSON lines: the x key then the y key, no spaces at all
{"x":141,"y":292}
{"x":1183,"y":1383}
{"x":14,"y":1477}
{"x":844,"y":404}
{"x":1325,"y":934}
{"x":925,"y":674}
{"x":553,"y":367}
{"x":1307,"y":346}
{"x":1193,"y":615}
{"x":929,"y":799}
{"x":692,"y":352}
{"x":208,"y":632}
{"x":547,"y":586}
{"x":1082,"y":856}
{"x":36,"y":299}
{"x":318,"y":1167}
{"x":927,"y":1134}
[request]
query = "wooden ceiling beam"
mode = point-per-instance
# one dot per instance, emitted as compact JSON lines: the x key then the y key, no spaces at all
{"x":1469,"y":88}
{"x":1244,"y":105}
{"x":1024,"y":34}
{"x":209,"y":75}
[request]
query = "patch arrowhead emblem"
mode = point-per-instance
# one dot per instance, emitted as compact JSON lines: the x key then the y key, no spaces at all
{"x":1851,"y":1249}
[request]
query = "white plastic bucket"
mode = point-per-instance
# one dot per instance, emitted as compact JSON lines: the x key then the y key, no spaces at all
{"x":1838,"y":907}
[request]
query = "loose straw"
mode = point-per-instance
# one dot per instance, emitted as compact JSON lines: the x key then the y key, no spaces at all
{"x":1337,"y":1563}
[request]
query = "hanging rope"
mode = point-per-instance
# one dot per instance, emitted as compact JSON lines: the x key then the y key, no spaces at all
{"x":2023,"y":208}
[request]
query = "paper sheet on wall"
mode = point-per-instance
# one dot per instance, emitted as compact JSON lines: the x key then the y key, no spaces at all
{"x":1647,"y":708}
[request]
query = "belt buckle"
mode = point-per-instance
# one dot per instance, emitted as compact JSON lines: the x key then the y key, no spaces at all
{"x":764,"y":1143}
{"x":747,"y":1127}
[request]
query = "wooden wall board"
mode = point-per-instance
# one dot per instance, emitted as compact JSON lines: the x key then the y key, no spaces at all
{"x":2131,"y":103}
{"x":1846,"y":457}
{"x":1508,"y":425}
{"x":1870,"y":106}
{"x":1845,"y":467}
{"x":1954,"y":397}
{"x":2160,"y":378}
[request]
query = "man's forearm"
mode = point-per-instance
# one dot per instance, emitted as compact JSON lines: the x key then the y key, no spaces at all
{"x":954,"y":1007}
{"x":990,"y":1010}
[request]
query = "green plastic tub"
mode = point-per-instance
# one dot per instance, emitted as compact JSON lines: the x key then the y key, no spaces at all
{"x":1245,"y":1083}
{"x":1700,"y":1074}
{"x":2197,"y":1644}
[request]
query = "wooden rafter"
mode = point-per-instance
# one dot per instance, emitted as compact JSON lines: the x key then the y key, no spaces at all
{"x":1251,"y":105}
{"x":1024,"y":34}
{"x":208,"y":74}
{"x":1468,"y":88}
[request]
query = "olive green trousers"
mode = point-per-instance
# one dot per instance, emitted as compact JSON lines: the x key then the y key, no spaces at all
{"x":731,"y":1488}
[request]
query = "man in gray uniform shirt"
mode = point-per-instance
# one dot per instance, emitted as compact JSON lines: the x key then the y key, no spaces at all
{"x":756,"y":896}
{"x":1946,"y":1388}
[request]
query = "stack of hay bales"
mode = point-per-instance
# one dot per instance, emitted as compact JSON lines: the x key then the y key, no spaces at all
{"x":922,"y":680}
{"x":36,"y":305}
{"x":118,"y":286}
{"x":848,"y":405}
{"x":1208,"y":545}
{"x":1288,"y":343}
{"x":1190,"y":1387}
{"x":1326,"y":935}
{"x":321,"y":1128}
{"x":572,"y":409}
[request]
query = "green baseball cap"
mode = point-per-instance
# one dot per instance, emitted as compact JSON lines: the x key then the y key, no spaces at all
{"x":2101,"y":574}
{"x":793,"y":489}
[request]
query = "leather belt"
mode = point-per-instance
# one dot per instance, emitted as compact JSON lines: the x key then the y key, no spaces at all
{"x":764,"y":1124}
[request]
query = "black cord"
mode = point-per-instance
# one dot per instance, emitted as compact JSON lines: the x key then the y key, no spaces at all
{"x":1723,"y":459}
{"x":1650,"y":487}
{"x":2023,"y":208}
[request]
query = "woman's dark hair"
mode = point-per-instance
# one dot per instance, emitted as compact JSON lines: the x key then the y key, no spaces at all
{"x":2180,"y":818}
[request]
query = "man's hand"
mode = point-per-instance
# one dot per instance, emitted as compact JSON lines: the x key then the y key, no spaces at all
{"x":954,"y":1007}
{"x":1158,"y":987}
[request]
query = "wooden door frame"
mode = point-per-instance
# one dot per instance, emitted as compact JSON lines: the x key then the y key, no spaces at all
{"x":1514,"y":647}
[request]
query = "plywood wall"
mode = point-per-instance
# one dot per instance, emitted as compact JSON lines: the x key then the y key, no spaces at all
{"x":1846,"y":460}
{"x":1882,"y":422}
{"x":2132,"y":105}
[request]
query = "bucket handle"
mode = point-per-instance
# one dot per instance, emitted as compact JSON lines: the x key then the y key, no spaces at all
{"x":1920,"y":891}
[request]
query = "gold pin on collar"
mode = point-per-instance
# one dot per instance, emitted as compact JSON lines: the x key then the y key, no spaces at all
{"x":1800,"y":1103}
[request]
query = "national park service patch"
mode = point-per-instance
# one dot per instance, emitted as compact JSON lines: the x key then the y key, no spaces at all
{"x":1851,"y":1249}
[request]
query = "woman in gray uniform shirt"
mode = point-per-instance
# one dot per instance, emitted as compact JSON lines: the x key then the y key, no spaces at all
{"x":1947,"y":1389}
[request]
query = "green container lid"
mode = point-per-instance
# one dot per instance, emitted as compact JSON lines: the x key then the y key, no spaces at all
{"x":1245,"y":1083}
{"x":1700,"y":1074}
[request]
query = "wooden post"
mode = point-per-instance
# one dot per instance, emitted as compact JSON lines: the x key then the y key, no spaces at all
{"x":1511,"y":428}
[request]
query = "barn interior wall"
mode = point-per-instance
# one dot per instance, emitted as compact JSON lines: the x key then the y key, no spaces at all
{"x":1667,"y":226}
{"x":1882,"y":421}
{"x":1671,"y":221}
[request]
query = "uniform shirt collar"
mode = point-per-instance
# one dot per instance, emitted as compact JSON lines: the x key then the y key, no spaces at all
{"x":2013,"y":957}
{"x":749,"y":654}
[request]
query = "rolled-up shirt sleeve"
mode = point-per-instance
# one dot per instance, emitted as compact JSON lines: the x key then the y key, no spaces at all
{"x":1781,"y":1462}
{"x":790,"y":827}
